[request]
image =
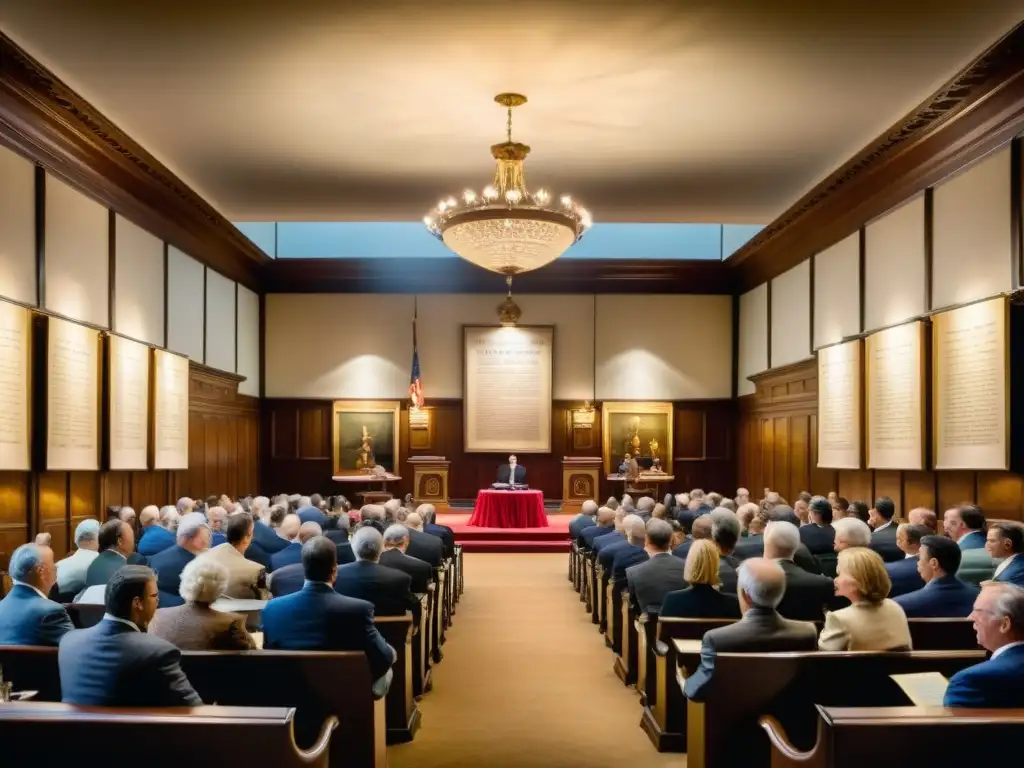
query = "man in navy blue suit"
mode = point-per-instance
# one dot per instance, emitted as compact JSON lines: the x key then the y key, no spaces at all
{"x":263,"y":535}
{"x":217,"y":517}
{"x":633,"y":553}
{"x":883,"y":529}
{"x":1005,"y":543}
{"x":607,"y":546}
{"x":293,"y":552}
{"x":605,"y":525}
{"x":965,"y":525}
{"x":999,"y":682}
{"x":317,"y":618}
{"x":388,"y":589}
{"x":586,"y":518}
{"x":428,"y":514}
{"x":903,"y":573}
{"x":312,"y":514}
{"x":943,"y":596}
{"x":155,"y":538}
{"x":27,"y":616}
{"x":194,"y":538}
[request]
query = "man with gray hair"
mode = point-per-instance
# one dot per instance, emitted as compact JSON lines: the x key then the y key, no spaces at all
{"x":633,"y":551}
{"x":155,"y":538}
{"x":725,"y":532}
{"x":217,"y":517}
{"x":807,"y":594}
{"x":72,"y":569}
{"x":761,"y":587}
{"x":586,"y":518}
{"x":299,"y":533}
{"x":27,"y":615}
{"x":645,"y":507}
{"x":391,"y":506}
{"x":423,"y":546}
{"x":851,"y":532}
{"x":374,"y":515}
{"x":193,"y":539}
{"x":396,"y":542}
{"x":605,"y":525}
{"x":185,"y":505}
{"x":649,"y":582}
{"x":388,"y":589}
{"x":430,"y":525}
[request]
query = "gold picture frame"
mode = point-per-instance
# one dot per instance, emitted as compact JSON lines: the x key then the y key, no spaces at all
{"x":649,"y":418}
{"x":364,"y":434}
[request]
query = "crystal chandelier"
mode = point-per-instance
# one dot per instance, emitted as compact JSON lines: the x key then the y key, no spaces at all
{"x":508,"y":229}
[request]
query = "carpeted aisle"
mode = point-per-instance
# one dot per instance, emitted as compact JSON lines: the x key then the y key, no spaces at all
{"x":526,"y":679}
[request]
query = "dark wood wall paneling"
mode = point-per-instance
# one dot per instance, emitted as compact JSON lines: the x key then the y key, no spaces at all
{"x":296,"y":448}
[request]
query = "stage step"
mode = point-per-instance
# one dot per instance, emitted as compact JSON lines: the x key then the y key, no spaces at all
{"x":466,"y":533}
{"x":508,"y":545}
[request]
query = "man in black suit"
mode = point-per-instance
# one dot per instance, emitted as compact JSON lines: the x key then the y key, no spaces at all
{"x":605,"y":525}
{"x":396,"y":541}
{"x":903,"y":573}
{"x":287,"y":580}
{"x":586,"y":518}
{"x":194,"y":537}
{"x":701,"y":530}
{"x":423,"y":546}
{"x":883,"y":530}
{"x":807,"y":594}
{"x":428,"y":515}
{"x":117,"y":544}
{"x":632,"y":551}
{"x":115,"y":663}
{"x":649,"y":582}
{"x":818,"y":535}
{"x":512,"y":472}
{"x":803,"y":557}
{"x":366,"y":579}
{"x":725,"y":532}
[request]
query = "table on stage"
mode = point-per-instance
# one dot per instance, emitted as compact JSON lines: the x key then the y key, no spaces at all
{"x":366,"y":479}
{"x":509,"y":509}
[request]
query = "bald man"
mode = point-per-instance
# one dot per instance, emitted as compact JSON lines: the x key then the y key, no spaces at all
{"x":634,"y":552}
{"x":605,"y":525}
{"x":423,"y":546}
{"x":701,"y":530}
{"x":924,"y":516}
{"x":293,"y":529}
{"x":586,"y":518}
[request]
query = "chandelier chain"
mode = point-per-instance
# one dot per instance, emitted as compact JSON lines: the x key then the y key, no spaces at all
{"x":509,"y":125}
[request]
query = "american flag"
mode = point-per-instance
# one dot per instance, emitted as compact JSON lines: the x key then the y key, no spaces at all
{"x":415,"y":384}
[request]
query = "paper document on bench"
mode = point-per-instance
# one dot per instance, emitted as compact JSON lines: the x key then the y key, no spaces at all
{"x":925,"y":689}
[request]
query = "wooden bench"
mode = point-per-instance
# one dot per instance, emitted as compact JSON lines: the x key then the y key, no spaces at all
{"x":437,"y":637}
{"x":613,"y":628}
{"x":421,"y":682}
{"x":626,"y":661}
{"x":930,"y":736}
{"x":646,"y":639}
{"x":943,"y":634}
{"x":402,"y":714}
{"x":603,"y":580}
{"x":162,"y":738}
{"x":723,"y":728}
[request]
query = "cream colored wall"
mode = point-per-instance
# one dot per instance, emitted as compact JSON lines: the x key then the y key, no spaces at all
{"x":753,"y":337}
{"x":791,"y":315}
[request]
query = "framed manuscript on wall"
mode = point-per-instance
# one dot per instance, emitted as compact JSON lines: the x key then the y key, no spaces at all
{"x":894,"y":376}
{"x":72,"y":396}
{"x":15,"y":387}
{"x":169,"y":441}
{"x":128,"y":405}
{"x":840,"y":405}
{"x":507,"y":392}
{"x":970,"y":395}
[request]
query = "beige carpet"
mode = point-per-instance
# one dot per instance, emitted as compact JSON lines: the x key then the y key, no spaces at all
{"x":526,"y":679}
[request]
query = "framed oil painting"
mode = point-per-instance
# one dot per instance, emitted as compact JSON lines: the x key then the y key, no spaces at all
{"x":365,"y":435}
{"x":643,"y":430}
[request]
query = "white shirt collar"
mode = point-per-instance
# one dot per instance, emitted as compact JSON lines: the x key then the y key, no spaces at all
{"x":119,"y":620}
{"x":118,"y":553}
{"x":997,"y":651}
{"x":34,"y":589}
{"x":1002,"y":566}
{"x":907,"y":557}
{"x":883,"y":526}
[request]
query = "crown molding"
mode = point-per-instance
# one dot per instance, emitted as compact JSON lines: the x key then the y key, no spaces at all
{"x":44,"y":120}
{"x":979,"y":109}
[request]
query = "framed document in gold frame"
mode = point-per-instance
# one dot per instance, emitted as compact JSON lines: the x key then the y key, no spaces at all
{"x":641,"y":428}
{"x":16,"y":392}
{"x":894,"y":381}
{"x":365,"y":434}
{"x":840,"y":405}
{"x":970,"y":386}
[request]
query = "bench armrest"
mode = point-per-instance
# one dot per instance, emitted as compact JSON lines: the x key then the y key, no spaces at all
{"x":314,"y":753}
{"x":780,"y":741}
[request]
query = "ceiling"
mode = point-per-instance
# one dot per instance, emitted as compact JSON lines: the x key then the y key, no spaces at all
{"x":660,"y":111}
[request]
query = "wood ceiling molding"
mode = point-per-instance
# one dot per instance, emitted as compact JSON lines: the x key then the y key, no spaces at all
{"x":979,"y":109}
{"x":44,"y":120}
{"x":413,"y":275}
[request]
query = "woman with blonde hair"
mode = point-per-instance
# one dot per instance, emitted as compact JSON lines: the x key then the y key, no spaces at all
{"x":701,"y":599}
{"x":872,"y":622}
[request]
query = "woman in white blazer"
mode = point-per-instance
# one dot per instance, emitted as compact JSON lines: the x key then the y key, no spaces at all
{"x":872,"y":622}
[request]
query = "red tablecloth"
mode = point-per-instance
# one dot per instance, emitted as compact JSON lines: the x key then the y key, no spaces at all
{"x":509,"y":509}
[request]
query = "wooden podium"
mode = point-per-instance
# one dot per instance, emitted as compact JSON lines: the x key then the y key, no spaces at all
{"x":430,"y":481}
{"x":580,"y":475}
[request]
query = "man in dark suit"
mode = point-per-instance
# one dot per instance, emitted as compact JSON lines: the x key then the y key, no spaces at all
{"x":1005,"y":544}
{"x":312,"y":514}
{"x":761,"y":586}
{"x":266,"y":538}
{"x":998,"y":682}
{"x":512,"y":472}
{"x":633,"y":552}
{"x":818,"y":535}
{"x":396,"y":541}
{"x":943,"y":595}
{"x":287,"y":580}
{"x":966,"y":526}
{"x":701,"y":530}
{"x":605,"y":525}
{"x":725,"y":532}
{"x":694,"y":511}
{"x":194,"y":538}
{"x":883,"y":529}
{"x":155,"y":538}
{"x":423,"y":546}
{"x":649,"y":582}
{"x":428,"y":515}
{"x":115,"y":663}
{"x":292,"y":554}
{"x":317,"y":618}
{"x":903,"y":573}
{"x":27,"y":616}
{"x":807,"y":594}
{"x":388,"y":589}
{"x":586,"y":518}
{"x":117,"y":544}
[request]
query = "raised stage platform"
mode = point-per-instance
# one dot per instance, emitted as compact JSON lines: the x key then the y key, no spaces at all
{"x":554,"y":538}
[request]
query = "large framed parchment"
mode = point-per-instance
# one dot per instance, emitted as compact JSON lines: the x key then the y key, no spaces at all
{"x":507,"y":393}
{"x":128,"y":403}
{"x":72,"y":396}
{"x":169,"y":440}
{"x":895,"y":402}
{"x":840,"y":405}
{"x":970,"y":392}
{"x":15,"y":387}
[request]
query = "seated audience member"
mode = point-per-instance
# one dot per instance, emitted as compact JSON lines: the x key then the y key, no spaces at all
{"x":746,"y":515}
{"x":807,"y":594}
{"x":27,"y":615}
{"x":803,"y":557}
{"x":264,"y":534}
{"x":428,"y":514}
{"x":193,"y":539}
{"x":606,"y":546}
{"x":169,"y":518}
{"x":678,"y":534}
{"x":801,"y":508}
{"x":287,"y":580}
{"x":742,"y":497}
{"x":998,"y":683}
{"x":116,"y":542}
{"x":116,"y":663}
{"x":872,"y":622}
{"x":842,"y":508}
{"x":851,"y":532}
{"x":713,"y":499}
{"x":292,"y":552}
{"x":388,"y":589}
{"x":728,"y":504}
{"x":244,"y":577}
{"x":586,"y":518}
{"x":612,"y":503}
{"x":1004,"y":544}
{"x":923,"y":516}
{"x":943,"y":595}
{"x":633,"y":552}
{"x":649,"y":582}
{"x":217,"y":517}
{"x":976,"y":565}
{"x":752,"y":545}
{"x":194,"y":625}
{"x":818,"y":535}
{"x":725,"y":532}
{"x":659,"y":512}
{"x":965,"y":525}
{"x":312,"y":514}
{"x":903,"y":573}
{"x":375,"y":515}
{"x":883,"y":533}
{"x":184,"y":505}
{"x":155,"y":538}
{"x":645,"y":507}
{"x":613,"y":538}
{"x":317,"y":618}
{"x":700,"y":600}
{"x":396,"y":542}
{"x":72,"y":569}
{"x":701,"y":530}
{"x":423,"y":546}
{"x":761,"y":585}
{"x":605,"y":525}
